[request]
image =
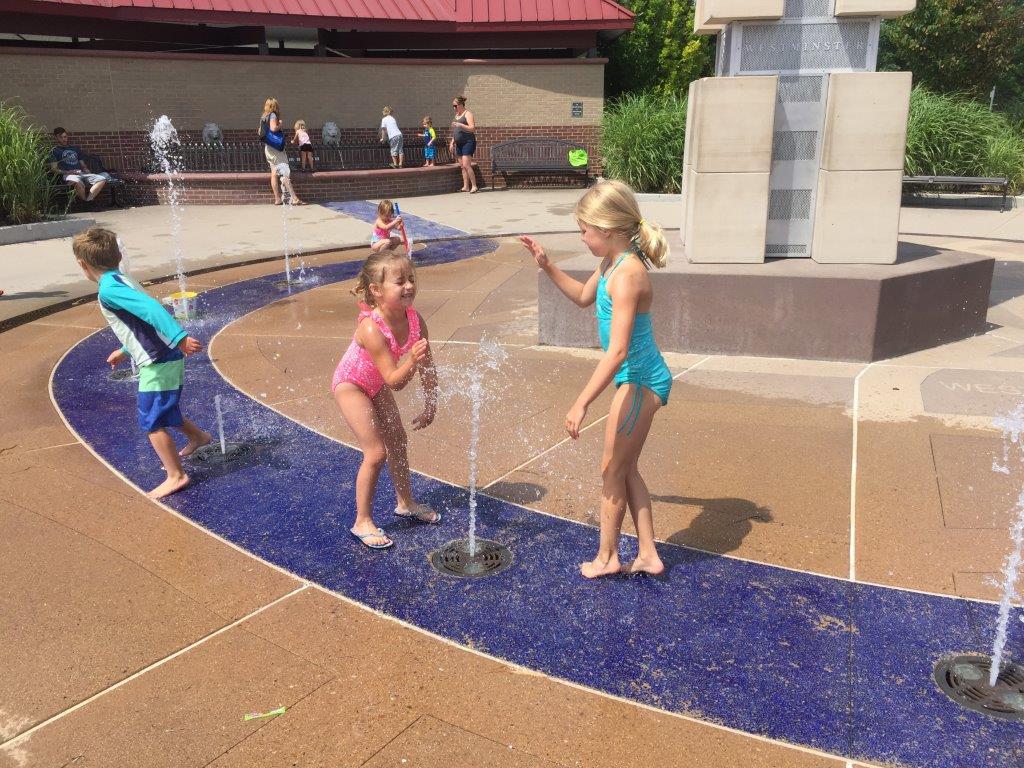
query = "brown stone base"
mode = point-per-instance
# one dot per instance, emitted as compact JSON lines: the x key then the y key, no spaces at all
{"x":798,"y":308}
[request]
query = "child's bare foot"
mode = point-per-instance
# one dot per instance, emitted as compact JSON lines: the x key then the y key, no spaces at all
{"x":192,"y":445}
{"x":651,"y":565}
{"x":169,"y":486}
{"x":598,"y":567}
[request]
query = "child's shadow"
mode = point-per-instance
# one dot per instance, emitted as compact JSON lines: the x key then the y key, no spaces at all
{"x":721,"y":525}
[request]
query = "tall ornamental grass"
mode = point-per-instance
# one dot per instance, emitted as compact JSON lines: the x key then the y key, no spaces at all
{"x":24,"y":183}
{"x":949,"y":135}
{"x":642,"y":141}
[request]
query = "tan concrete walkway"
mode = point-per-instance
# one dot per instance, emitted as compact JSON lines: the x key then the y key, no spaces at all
{"x":39,"y":274}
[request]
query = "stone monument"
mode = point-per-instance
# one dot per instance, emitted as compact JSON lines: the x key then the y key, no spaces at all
{"x":792,"y":178}
{"x":797,"y":135}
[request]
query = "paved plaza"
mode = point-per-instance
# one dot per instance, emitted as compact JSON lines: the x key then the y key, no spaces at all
{"x":831,"y":528}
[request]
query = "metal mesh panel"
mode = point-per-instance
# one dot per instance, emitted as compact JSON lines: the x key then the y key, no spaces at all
{"x":796,"y":47}
{"x":800,"y":9}
{"x":794,"y":88}
{"x":779,"y":249}
{"x":786,"y":204}
{"x":794,"y":145}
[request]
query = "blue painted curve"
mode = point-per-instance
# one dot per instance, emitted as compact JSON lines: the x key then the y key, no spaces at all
{"x":836,"y":666}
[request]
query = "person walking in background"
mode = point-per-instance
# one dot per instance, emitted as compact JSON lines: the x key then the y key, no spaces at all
{"x":429,"y":137}
{"x":390,"y":132}
{"x":301,"y":138}
{"x":463,"y":142}
{"x":272,"y":135}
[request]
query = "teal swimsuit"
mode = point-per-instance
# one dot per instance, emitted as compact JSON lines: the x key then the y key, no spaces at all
{"x":644,"y":364}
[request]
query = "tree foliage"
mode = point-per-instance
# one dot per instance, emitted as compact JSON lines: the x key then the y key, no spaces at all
{"x":661,"y":53}
{"x":963,"y":46}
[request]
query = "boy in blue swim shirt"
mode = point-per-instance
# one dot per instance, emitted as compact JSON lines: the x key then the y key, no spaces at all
{"x":157,"y":344}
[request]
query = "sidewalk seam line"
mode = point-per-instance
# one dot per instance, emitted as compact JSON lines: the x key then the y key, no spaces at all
{"x":158,"y":663}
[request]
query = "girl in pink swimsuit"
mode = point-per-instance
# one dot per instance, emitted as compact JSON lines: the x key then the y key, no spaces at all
{"x":388,"y":329}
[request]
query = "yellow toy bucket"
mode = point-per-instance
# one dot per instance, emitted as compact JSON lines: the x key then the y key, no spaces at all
{"x":182,"y":304}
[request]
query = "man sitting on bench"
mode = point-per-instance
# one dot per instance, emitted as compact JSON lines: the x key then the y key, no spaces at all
{"x":66,"y":160}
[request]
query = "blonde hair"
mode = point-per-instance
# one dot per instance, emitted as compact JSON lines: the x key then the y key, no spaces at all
{"x":386,"y":209}
{"x":427,"y":121}
{"x":97,"y":247}
{"x":300,"y":125}
{"x":612,"y":205}
{"x":386,"y":111}
{"x":373,"y":273}
{"x":271,"y":105}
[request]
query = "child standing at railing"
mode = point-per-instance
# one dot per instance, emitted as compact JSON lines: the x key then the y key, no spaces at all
{"x":429,"y":137}
{"x":301,"y":138}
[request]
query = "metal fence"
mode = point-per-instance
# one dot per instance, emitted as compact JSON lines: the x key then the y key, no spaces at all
{"x":242,"y":157}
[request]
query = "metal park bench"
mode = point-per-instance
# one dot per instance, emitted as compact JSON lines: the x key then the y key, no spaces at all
{"x":972,"y":182}
{"x":115,"y":186}
{"x":248,"y":157}
{"x":536,"y":156}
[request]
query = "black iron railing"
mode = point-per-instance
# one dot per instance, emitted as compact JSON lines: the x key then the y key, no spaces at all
{"x":249,"y":157}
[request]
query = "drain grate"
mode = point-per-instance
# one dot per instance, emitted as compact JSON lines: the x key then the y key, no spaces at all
{"x":211,"y":454}
{"x":123,"y":374}
{"x":453,"y":559}
{"x":965,"y":680}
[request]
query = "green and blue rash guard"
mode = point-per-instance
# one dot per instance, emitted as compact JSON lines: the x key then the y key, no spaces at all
{"x":145,"y":329}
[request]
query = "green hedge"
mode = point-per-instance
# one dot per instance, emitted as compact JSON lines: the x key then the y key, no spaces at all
{"x":642,"y":141}
{"x":24,"y":181}
{"x":946,"y":136}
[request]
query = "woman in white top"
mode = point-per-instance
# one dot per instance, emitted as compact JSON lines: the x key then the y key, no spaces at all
{"x":389,"y":126}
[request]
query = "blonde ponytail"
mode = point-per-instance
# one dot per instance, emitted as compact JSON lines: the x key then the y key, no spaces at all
{"x":612,"y":205}
{"x":651,"y":243}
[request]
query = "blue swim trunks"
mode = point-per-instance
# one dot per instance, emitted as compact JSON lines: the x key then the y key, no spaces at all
{"x":159,"y":392}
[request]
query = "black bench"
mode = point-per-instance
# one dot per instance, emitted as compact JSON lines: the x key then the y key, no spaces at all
{"x":973,"y":182}
{"x":536,"y":156}
{"x":58,"y":186}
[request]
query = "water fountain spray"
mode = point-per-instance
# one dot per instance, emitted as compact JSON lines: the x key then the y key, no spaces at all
{"x":473,"y":556}
{"x":993,"y":685}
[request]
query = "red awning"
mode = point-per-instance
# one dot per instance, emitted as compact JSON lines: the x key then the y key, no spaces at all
{"x":452,"y":15}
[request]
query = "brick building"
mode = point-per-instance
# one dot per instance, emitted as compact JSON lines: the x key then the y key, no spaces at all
{"x":105,"y":69}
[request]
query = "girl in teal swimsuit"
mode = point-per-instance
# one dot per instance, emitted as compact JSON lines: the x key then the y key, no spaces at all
{"x":613,"y":230}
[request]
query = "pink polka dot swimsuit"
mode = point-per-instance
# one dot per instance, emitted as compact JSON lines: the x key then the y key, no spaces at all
{"x":357,"y":366}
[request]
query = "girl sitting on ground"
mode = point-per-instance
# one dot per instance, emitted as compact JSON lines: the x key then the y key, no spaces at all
{"x":612,"y":228}
{"x":388,"y":329}
{"x":384,"y":236}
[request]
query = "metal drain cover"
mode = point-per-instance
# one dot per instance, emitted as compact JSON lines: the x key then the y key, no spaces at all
{"x":453,"y":559}
{"x":211,"y":453}
{"x":123,"y":374}
{"x":965,"y":680}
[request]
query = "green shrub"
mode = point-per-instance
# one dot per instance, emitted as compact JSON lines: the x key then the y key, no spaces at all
{"x":950,"y":135}
{"x":642,"y":141}
{"x":24,"y":181}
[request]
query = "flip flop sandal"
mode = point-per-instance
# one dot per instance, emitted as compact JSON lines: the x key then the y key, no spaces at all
{"x":364,"y":536}
{"x":421,"y":515}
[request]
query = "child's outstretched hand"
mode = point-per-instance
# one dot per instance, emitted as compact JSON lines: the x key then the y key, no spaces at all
{"x":116,"y":357}
{"x":419,"y":351}
{"x":535,"y":250}
{"x":190,"y":346}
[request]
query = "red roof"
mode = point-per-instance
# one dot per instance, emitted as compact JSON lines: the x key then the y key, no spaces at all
{"x":453,"y":15}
